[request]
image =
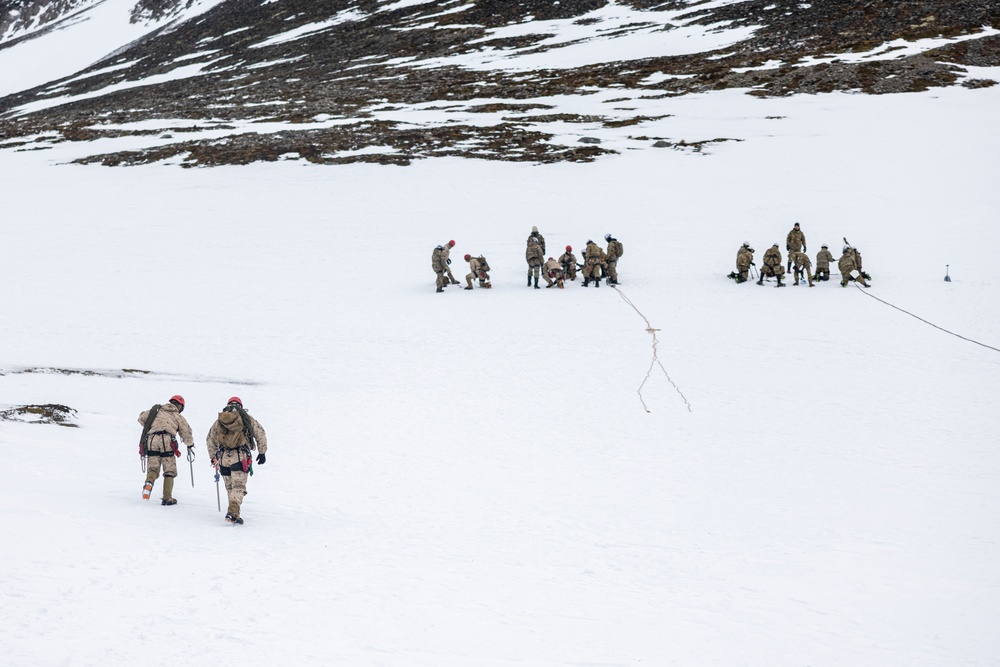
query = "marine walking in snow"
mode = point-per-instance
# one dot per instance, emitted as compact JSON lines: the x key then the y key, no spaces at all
{"x":158,"y":446}
{"x":231,"y":442}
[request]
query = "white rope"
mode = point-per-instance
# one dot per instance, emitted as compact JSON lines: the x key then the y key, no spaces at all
{"x":655,"y":360}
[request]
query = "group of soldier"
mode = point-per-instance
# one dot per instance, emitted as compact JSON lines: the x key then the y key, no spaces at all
{"x":230,"y":441}
{"x":799,"y":263}
{"x":598,"y":264}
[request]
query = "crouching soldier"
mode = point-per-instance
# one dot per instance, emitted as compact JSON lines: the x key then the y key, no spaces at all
{"x":857,"y":262}
{"x":849,"y":268}
{"x":744,"y":260}
{"x":823,"y":259}
{"x":552,"y":271}
{"x":477,"y":271}
{"x":568,"y":262}
{"x":772,"y":265}
{"x":158,"y":445}
{"x":231,"y":441}
{"x":803,"y":268}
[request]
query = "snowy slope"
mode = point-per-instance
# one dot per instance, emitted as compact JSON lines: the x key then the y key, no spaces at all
{"x":471,"y":478}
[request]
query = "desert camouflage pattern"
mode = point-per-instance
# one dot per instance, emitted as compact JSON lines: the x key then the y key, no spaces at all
{"x":541,"y":240}
{"x":447,"y":267}
{"x":795,"y":241}
{"x":593,"y":261}
{"x":227,"y":445}
{"x":160,"y":454}
{"x":743,"y":259}
{"x":476,"y":273}
{"x":552,"y":271}
{"x":803,"y":266}
{"x":568,"y":262}
{"x":772,"y":263}
{"x":823,"y":259}
{"x":439,"y":262}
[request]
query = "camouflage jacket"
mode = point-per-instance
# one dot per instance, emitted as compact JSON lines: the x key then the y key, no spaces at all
{"x":534,"y":254}
{"x":439,"y":259}
{"x":744,"y":258}
{"x":772,"y":257}
{"x":170,"y":421}
{"x":847,"y":263}
{"x":227,"y":432}
{"x":541,"y":240}
{"x":795,"y":241}
{"x":823,"y":259}
{"x":615,"y":250}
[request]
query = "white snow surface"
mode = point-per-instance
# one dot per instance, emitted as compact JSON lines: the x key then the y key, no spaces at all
{"x":470,"y":478}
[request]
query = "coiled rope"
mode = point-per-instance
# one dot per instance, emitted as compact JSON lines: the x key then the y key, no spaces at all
{"x":655,"y":360}
{"x":866,"y":293}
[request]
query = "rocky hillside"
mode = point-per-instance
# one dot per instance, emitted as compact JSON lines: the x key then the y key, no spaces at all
{"x":333,"y":81}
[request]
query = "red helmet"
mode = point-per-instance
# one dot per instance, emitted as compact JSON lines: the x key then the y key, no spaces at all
{"x":468,"y":257}
{"x":235,"y":399}
{"x":178,"y":399}
{"x":451,"y":243}
{"x":569,"y":248}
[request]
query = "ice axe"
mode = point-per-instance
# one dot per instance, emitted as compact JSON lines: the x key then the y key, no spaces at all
{"x":947,"y":278}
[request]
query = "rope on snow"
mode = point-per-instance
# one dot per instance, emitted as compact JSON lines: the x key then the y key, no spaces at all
{"x":925,"y":321}
{"x":655,"y":359}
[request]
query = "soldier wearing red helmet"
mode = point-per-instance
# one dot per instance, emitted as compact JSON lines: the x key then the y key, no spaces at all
{"x":568,"y":261}
{"x":231,"y":442}
{"x":158,"y":446}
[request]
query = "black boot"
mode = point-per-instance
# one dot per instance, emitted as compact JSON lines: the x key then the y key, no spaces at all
{"x":586,"y":282}
{"x":529,"y":278}
{"x":536,"y":283}
{"x":439,"y":289}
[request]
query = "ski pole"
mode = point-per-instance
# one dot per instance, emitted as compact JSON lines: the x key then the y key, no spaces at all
{"x":190,"y":458}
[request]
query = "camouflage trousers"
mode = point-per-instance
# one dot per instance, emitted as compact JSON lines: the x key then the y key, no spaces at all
{"x":442,"y":279}
{"x":451,"y":278}
{"x":554,"y":276}
{"x":772,"y":270}
{"x":592,"y":270}
{"x":612,"y":270}
{"x":159,"y":456}
{"x":231,"y":469}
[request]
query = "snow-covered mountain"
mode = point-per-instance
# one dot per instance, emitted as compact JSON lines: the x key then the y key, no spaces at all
{"x":236,"y":81}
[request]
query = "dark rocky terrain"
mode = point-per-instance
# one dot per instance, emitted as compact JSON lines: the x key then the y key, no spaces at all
{"x":346,"y":70}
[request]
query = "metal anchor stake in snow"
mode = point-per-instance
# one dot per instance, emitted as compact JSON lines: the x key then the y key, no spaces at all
{"x":947,"y":278}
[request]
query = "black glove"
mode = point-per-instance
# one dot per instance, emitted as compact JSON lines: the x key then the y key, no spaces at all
{"x":805,"y":249}
{"x":449,"y":262}
{"x":787,"y":248}
{"x":261,"y":459}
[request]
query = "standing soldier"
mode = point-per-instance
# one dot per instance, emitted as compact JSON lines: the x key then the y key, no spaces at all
{"x":568,"y":261}
{"x":794,"y":242}
{"x":802,"y":268}
{"x":439,"y":262}
{"x":744,"y":260}
{"x":160,"y":426}
{"x":772,"y":265}
{"x":535,"y":256}
{"x":231,"y":440}
{"x":535,"y":235}
{"x":447,"y":261}
{"x":849,"y":268}
{"x":615,"y":251}
{"x":593,"y":261}
{"x":823,"y":259}
{"x":477,"y":270}
{"x":552,"y":271}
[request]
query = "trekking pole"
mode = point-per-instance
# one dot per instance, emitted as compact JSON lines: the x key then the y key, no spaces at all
{"x":218,"y":501}
{"x":190,"y":458}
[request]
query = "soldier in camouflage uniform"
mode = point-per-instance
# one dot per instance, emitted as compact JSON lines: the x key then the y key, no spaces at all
{"x":476,"y":272}
{"x":794,"y":242}
{"x":803,"y":267}
{"x":552,"y":271}
{"x":447,"y":261}
{"x":535,"y":235}
{"x":161,"y":446}
{"x":744,"y":259}
{"x":848,"y":266}
{"x":568,"y":262}
{"x":439,"y":262}
{"x":772,"y":265}
{"x":823,"y":259}
{"x":535,"y":257}
{"x":230,"y":449}
{"x":614,"y":253}
{"x":857,"y":262}
{"x":593,"y":263}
